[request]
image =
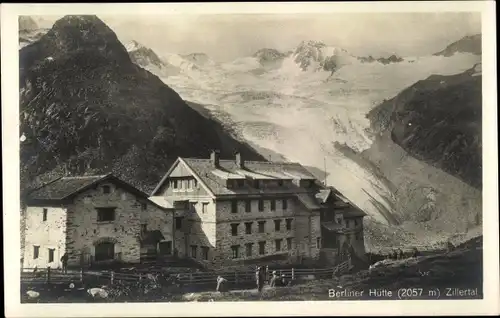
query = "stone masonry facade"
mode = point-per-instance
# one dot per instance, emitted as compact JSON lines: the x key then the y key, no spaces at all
{"x":257,"y":232}
{"x":74,"y":227}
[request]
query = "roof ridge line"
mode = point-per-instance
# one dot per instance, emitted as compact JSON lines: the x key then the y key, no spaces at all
{"x":88,"y":185}
{"x":44,"y":185}
{"x":87,"y":177}
{"x":247,"y":161}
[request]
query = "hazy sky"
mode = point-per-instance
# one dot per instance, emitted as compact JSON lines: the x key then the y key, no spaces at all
{"x":226,"y":37}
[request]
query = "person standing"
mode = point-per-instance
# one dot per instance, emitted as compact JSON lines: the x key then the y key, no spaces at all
{"x":64,"y":262}
{"x":273,"y":280}
{"x":221,"y":284}
{"x":259,"y":276}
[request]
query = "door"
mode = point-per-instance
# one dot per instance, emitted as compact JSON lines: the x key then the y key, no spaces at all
{"x":104,"y":251}
{"x":165,"y":248}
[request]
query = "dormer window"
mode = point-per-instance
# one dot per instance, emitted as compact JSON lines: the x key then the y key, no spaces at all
{"x":280,"y":183}
{"x":106,"y":189}
{"x":240,"y":183}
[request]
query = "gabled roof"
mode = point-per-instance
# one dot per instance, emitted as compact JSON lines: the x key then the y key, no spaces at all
{"x":308,"y":200}
{"x":323,"y":195}
{"x":65,"y":188}
{"x":214,"y":179}
{"x":62,"y":188}
{"x":353,"y":212}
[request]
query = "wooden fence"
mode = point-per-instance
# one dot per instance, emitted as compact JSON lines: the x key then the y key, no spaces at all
{"x":52,"y":276}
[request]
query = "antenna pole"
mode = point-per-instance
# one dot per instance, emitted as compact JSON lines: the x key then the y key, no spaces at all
{"x":324,"y":162}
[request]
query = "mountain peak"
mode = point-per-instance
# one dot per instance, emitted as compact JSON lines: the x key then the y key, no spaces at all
{"x":268,"y":55}
{"x":467,"y":44}
{"x":26,"y":23}
{"x":72,"y":35}
{"x":312,"y":43}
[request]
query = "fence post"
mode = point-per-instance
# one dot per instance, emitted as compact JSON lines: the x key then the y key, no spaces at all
{"x":81,"y":274}
{"x":48,"y":275}
{"x":112,"y":277}
{"x":236,"y":277}
{"x":293,"y":273}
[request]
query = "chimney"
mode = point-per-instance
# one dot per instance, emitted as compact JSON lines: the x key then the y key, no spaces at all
{"x":239,"y":160}
{"x":214,"y":158}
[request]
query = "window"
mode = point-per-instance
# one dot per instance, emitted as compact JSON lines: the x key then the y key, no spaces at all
{"x":240,"y":183}
{"x":288,"y":224}
{"x":285,"y":204}
{"x":338,"y":219}
{"x":289,"y":242}
{"x":192,"y":207}
{"x":51,"y":255}
{"x":262,"y":248}
{"x":356,"y":222}
{"x":234,"y":206}
{"x":261,"y":205}
{"x":176,"y":184}
{"x":234,"y":229}
{"x":144,"y":228}
{"x":195,"y":184}
{"x":318,"y":242}
{"x":248,"y":248}
{"x":104,"y":251}
{"x":256,"y":184}
{"x":278,"y":244}
{"x":105,"y":214}
{"x":178,"y":222}
{"x":36,"y":251}
{"x":280,"y":183}
{"x":204,"y":206}
{"x":273,"y":205}
{"x":165,"y":248}
{"x":277,"y":224}
{"x":236,"y":251}
{"x":262,"y":226}
{"x":204,"y":252}
{"x":248,"y":206}
{"x":248,"y":228}
{"x":44,"y":214}
{"x":194,"y":249}
{"x":106,"y":189}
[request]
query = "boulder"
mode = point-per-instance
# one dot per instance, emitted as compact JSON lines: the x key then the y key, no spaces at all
{"x":32,"y":294}
{"x":97,"y":293}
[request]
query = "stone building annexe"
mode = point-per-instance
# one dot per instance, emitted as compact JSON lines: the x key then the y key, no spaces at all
{"x":219,"y":213}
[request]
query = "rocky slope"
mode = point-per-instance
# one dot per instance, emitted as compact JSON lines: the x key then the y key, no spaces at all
{"x":149,"y":60}
{"x":467,"y":44}
{"x":86,"y":107}
{"x":29,"y":31}
{"x":438,"y":120}
{"x":427,"y":148}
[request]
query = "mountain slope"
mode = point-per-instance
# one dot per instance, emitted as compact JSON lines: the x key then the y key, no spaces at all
{"x":85,"y":107}
{"x":438,"y":120}
{"x":467,"y":44}
{"x":26,"y":23}
{"x":149,"y":60}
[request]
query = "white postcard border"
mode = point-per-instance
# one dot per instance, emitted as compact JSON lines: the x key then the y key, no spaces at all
{"x":10,"y":154}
